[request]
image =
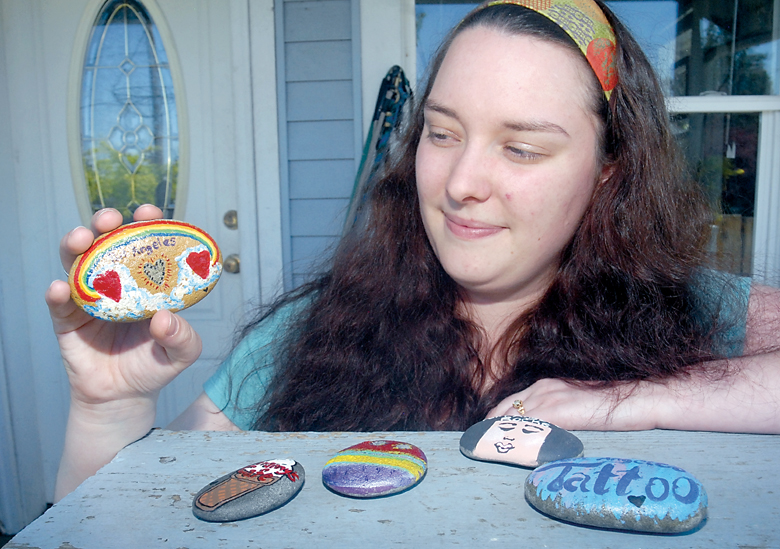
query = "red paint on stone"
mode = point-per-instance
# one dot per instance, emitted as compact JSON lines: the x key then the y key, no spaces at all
{"x":199,"y":262}
{"x":109,"y":285}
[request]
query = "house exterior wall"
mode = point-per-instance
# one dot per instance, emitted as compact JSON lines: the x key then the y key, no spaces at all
{"x":320,"y":126}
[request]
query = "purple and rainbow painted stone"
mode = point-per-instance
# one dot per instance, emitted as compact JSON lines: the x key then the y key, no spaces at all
{"x":140,"y":268}
{"x":375,"y":468}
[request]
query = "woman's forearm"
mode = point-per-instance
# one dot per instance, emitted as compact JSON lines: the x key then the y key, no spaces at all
{"x":745,"y":400}
{"x":94,"y":435}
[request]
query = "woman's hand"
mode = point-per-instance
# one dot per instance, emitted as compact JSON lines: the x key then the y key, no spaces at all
{"x":585,"y":407}
{"x":107,"y":361}
{"x":115,"y":369}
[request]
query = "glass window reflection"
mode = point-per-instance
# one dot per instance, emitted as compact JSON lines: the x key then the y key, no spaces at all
{"x":129,"y":128}
{"x":728,"y":47}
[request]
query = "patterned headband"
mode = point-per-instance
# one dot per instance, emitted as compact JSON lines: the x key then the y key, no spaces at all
{"x":584,"y":21}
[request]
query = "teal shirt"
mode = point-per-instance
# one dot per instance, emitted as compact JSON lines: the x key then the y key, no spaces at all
{"x":242,"y":379}
{"x":727,"y":296}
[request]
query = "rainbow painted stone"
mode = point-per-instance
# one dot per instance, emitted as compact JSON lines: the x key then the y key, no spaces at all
{"x":140,"y":268}
{"x":375,"y":468}
{"x":625,"y":494}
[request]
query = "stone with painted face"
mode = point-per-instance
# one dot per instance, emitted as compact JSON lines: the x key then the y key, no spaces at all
{"x":625,"y":494}
{"x":250,"y":491}
{"x":519,"y":440}
{"x":375,"y":468}
{"x":140,"y":268}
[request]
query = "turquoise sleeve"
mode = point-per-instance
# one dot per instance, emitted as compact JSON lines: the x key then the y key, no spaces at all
{"x":241,"y":380}
{"x":727,"y":296}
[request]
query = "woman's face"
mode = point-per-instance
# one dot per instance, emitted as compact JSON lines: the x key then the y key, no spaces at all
{"x":507,"y":162}
{"x":513,"y":440}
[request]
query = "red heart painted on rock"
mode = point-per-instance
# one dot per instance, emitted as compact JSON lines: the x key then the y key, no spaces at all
{"x":109,"y":285}
{"x":199,"y":262}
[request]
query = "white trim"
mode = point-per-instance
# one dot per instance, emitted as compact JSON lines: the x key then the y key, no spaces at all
{"x":766,"y":236}
{"x":73,"y":108}
{"x":387,"y":38}
{"x":284,"y":164}
{"x":723,"y":103}
{"x":358,"y":103}
{"x":267,"y":177}
{"x":766,"y":223}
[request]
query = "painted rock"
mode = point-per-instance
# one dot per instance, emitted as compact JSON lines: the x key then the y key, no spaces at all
{"x":250,"y":491}
{"x":626,"y":494}
{"x":375,"y":468}
{"x":519,"y":440}
{"x":136,"y":270}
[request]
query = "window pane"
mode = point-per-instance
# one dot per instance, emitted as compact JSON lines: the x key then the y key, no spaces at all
{"x":728,"y":47}
{"x":128,"y":113}
{"x":722,"y":151}
{"x":698,"y":47}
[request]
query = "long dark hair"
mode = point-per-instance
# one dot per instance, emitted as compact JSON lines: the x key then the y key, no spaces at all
{"x":381,"y":345}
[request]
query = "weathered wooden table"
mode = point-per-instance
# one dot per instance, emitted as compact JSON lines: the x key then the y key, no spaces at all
{"x":142,"y":499}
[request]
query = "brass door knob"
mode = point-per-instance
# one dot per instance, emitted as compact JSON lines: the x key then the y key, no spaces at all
{"x":230,"y":219}
{"x":232,"y":263}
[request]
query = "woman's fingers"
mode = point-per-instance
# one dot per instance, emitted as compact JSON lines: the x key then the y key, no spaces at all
{"x":78,"y":241}
{"x":146,"y":212}
{"x":177,"y":337}
{"x":65,"y":315}
{"x":74,"y":243}
{"x":506,"y":407}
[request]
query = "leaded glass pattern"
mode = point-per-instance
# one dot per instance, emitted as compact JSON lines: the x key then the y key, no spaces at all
{"x":129,"y":127}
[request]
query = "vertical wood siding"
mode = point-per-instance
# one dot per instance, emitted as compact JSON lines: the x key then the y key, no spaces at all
{"x":320,"y":126}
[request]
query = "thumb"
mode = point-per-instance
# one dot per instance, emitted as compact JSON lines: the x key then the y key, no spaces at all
{"x":177,"y":337}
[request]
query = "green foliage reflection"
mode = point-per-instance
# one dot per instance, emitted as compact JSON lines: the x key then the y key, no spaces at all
{"x":111,"y":185}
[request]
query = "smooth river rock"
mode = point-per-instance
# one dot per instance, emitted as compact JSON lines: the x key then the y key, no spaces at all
{"x":375,"y":468}
{"x":249,"y":491}
{"x":140,"y":268}
{"x":625,"y":494}
{"x":519,"y":440}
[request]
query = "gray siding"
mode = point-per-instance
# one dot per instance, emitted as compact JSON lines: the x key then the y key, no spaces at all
{"x":319,"y":126}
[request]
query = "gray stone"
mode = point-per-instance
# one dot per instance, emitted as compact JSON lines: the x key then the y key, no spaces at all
{"x":625,"y":494}
{"x":519,"y":440}
{"x":249,"y":491}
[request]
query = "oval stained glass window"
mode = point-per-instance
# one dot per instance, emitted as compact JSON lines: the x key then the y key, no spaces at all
{"x":129,"y":127}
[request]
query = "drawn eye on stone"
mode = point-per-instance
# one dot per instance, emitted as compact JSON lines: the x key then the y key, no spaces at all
{"x":532,"y":429}
{"x":507,"y":426}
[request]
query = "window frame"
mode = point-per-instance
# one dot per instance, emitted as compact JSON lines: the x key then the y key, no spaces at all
{"x":73,"y":109}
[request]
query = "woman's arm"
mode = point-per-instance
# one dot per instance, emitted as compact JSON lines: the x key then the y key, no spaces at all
{"x":203,"y":415}
{"x":115,"y":369}
{"x":747,"y":399}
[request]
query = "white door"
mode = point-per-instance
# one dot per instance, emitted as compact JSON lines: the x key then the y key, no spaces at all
{"x":223,"y":52}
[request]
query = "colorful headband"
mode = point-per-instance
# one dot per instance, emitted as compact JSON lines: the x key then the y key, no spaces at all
{"x":584,"y":21}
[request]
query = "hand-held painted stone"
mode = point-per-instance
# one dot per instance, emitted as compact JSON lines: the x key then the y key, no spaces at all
{"x":519,"y":440}
{"x":625,"y":494}
{"x":136,"y":270}
{"x":250,"y":491}
{"x":375,"y":468}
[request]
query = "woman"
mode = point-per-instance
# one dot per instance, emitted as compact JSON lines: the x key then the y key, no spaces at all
{"x":535,"y":240}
